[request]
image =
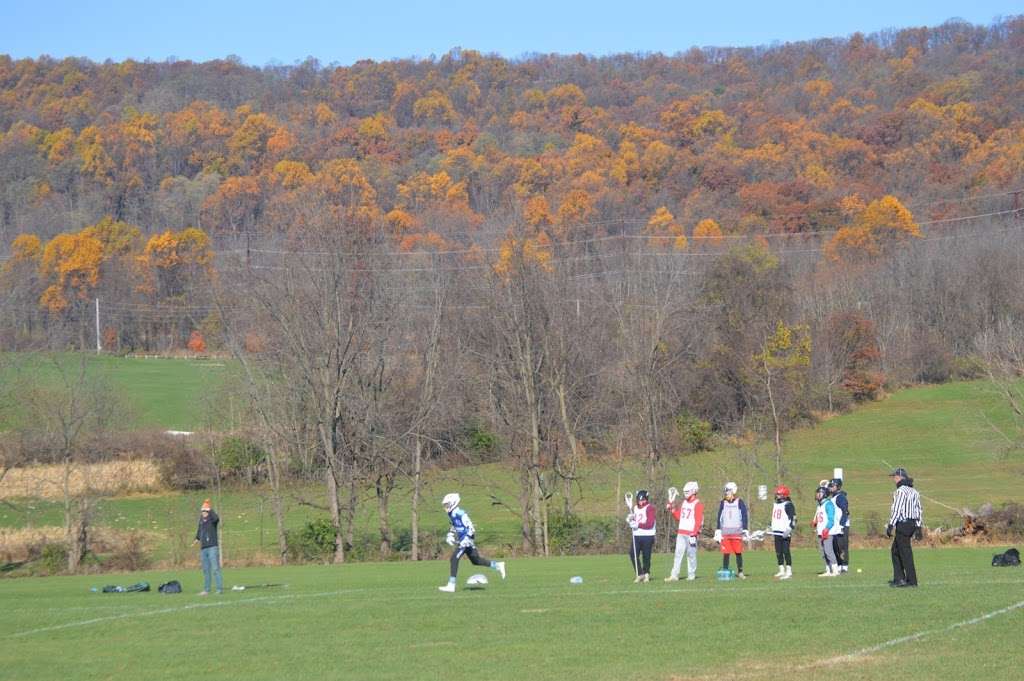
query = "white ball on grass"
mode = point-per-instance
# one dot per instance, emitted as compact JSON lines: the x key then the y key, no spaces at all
{"x":476,"y":581}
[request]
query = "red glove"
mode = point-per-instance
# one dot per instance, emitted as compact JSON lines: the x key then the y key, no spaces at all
{"x":824,"y":533}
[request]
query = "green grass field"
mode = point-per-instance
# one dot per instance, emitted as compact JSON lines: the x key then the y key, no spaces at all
{"x":388,"y":621}
{"x":175,"y":394}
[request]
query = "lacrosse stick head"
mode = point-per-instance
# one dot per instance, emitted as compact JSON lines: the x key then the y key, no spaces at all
{"x":672,"y":494}
{"x":628,"y":498}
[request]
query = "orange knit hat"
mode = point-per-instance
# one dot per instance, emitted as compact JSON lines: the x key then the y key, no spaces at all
{"x":206,"y":505}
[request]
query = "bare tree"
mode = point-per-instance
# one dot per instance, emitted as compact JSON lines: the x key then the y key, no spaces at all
{"x":65,"y":420}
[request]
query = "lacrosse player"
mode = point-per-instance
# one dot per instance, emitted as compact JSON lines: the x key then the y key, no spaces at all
{"x":828,"y":522}
{"x":732,"y":527}
{"x":783,"y":524}
{"x":690,"y":514}
{"x":641,"y":521}
{"x":838,"y":494}
{"x":462,"y":536}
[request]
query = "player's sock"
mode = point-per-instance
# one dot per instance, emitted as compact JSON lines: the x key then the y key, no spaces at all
{"x":451,"y":580}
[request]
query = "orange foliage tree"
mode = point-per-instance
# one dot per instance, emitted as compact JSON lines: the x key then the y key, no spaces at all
{"x":874,"y":230}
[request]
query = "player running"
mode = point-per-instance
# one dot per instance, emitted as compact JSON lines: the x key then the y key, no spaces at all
{"x":462,"y":536}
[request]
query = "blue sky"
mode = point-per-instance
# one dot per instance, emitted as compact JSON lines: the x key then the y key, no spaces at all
{"x":342,"y":32}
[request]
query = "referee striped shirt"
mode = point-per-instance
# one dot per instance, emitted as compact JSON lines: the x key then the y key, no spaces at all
{"x":906,"y":505}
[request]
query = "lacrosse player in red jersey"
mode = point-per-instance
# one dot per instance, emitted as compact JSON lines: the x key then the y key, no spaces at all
{"x":690,"y":514}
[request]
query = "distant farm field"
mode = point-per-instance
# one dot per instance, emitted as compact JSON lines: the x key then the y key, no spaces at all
{"x":165,"y":393}
{"x":389,"y":622}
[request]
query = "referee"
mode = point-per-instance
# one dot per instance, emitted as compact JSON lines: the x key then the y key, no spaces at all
{"x":904,"y":522}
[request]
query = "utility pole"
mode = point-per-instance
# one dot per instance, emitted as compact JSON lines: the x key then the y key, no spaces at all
{"x":99,"y":347}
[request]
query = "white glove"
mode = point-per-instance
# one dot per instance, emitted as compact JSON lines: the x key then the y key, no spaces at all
{"x":718,"y":536}
{"x":746,"y":535}
{"x":634,"y":525}
{"x":450,"y":538}
{"x":692,"y":541}
{"x":466,"y":542}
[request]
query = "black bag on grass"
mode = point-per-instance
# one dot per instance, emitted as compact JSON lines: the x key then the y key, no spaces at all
{"x":171,"y":587}
{"x":1009,"y":558}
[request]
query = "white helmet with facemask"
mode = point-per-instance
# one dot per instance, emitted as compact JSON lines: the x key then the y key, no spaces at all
{"x":451,"y":501}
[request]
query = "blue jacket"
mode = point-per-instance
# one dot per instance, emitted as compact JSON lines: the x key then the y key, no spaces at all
{"x":461,"y":524}
{"x":844,"y":505}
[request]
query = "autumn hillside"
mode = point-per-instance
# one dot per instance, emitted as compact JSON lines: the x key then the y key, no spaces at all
{"x":449,"y":152}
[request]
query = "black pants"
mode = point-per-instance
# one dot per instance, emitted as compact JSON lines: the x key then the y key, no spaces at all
{"x":782,"y":553}
{"x":902,"y":553}
{"x":842,"y":547}
{"x":474,"y":558}
{"x":642,"y":546}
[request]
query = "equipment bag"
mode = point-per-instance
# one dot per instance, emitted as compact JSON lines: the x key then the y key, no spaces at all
{"x":116,"y":589}
{"x":171,"y":587}
{"x":1009,"y":558}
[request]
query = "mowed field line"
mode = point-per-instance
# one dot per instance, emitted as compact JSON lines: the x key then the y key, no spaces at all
{"x":866,"y":652}
{"x":863,"y":652}
{"x":639,"y":591}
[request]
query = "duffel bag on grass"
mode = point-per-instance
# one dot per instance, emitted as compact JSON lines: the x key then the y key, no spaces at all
{"x":1008,"y":558}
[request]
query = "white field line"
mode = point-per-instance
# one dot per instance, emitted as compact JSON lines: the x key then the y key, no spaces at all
{"x":181,"y":608}
{"x":848,"y":657}
{"x":640,"y":591}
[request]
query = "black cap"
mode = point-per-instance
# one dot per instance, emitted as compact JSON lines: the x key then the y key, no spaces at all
{"x":901,"y":472}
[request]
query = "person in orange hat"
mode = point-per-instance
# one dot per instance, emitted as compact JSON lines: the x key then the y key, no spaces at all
{"x":209,"y":548}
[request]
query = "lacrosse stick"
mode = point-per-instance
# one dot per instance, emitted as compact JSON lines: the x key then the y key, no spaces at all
{"x":756,"y":535}
{"x":628,"y":498}
{"x":672,"y":494}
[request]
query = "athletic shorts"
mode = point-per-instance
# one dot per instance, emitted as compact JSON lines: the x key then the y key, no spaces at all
{"x":732,"y":544}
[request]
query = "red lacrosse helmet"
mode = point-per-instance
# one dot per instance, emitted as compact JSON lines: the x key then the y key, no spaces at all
{"x":782,"y":491}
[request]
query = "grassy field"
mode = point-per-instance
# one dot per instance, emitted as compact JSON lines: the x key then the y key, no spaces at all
{"x":942,"y":434}
{"x":388,"y":621}
{"x":175,"y":394}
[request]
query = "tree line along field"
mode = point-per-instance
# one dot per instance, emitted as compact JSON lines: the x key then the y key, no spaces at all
{"x":388,"y":621}
{"x":943,"y":434}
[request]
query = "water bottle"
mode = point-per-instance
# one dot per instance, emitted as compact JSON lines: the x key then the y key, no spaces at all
{"x":724,"y":575}
{"x":576,"y":580}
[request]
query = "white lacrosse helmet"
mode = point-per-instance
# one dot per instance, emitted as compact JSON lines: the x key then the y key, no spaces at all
{"x":731,"y":488}
{"x":690,"y":488}
{"x":451,"y":501}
